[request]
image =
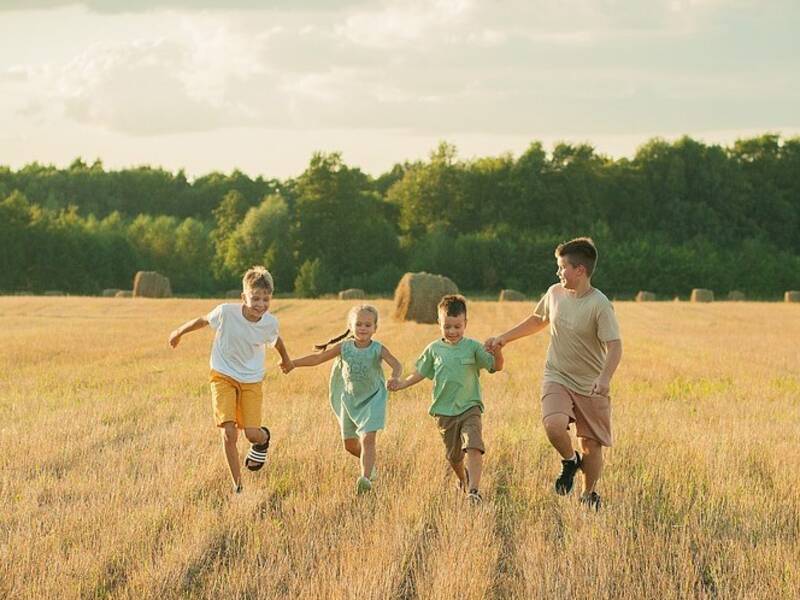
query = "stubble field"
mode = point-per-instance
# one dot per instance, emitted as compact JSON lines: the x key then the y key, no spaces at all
{"x":113,"y":483}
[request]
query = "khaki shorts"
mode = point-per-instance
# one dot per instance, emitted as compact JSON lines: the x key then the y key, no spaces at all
{"x":461,"y":433}
{"x":234,"y":401}
{"x":591,"y":414}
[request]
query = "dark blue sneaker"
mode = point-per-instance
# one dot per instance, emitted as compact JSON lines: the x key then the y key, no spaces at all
{"x":567,"y":477}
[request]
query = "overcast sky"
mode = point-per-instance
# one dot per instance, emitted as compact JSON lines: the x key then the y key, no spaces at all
{"x":215,"y":85}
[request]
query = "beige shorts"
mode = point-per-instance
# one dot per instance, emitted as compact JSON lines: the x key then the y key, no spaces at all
{"x":234,"y":401}
{"x":461,"y":433}
{"x":591,"y":414}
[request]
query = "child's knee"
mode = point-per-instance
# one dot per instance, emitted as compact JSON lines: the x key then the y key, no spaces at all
{"x":555,"y":424}
{"x":229,"y":433}
{"x":368,"y":439}
{"x":352,"y":445}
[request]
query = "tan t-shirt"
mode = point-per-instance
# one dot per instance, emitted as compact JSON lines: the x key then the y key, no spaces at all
{"x":579,"y":330}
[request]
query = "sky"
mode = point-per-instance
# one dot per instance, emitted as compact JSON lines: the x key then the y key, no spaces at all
{"x":212,"y":85}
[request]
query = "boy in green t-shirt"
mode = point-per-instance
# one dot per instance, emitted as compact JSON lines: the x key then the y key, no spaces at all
{"x":454,"y":362}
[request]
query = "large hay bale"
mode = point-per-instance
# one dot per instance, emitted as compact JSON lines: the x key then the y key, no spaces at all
{"x":736,"y":296}
{"x":124,"y":294}
{"x":150,"y":284}
{"x":643,"y":296}
{"x":511,"y":296}
{"x":701,"y":295}
{"x":110,"y":292}
{"x":418,"y":294}
{"x":233,"y":294}
{"x":791,"y":296}
{"x":351,"y":294}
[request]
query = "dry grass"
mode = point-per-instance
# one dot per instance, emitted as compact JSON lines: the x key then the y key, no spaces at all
{"x":113,"y":482}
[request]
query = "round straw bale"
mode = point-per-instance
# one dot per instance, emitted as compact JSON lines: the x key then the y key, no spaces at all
{"x":351,"y":294}
{"x":643,"y":296}
{"x":511,"y":296}
{"x":791,"y":296}
{"x":233,"y":293}
{"x":124,"y":294}
{"x":110,"y":292}
{"x":150,"y":284}
{"x":701,"y":295}
{"x":418,"y":294}
{"x":736,"y":296}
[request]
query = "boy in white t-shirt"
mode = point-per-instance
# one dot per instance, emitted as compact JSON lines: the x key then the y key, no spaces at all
{"x":237,"y":367}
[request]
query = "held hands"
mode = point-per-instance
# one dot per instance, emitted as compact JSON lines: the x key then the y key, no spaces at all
{"x":286,"y":366}
{"x":494,"y":343}
{"x":174,"y":338}
{"x":393,"y":384}
{"x":601,"y":387}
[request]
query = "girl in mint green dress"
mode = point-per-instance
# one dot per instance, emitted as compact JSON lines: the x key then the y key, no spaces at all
{"x":357,"y":386}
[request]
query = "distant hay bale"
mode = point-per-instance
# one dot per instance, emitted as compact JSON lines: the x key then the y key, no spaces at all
{"x":418,"y":294}
{"x":791,"y":296}
{"x":701,"y":295}
{"x":351,"y":294}
{"x":233,"y":294}
{"x":54,"y":293}
{"x":511,"y":296}
{"x":643,"y":296}
{"x":124,"y":294}
{"x":110,"y":292}
{"x":736,"y":296}
{"x":150,"y":284}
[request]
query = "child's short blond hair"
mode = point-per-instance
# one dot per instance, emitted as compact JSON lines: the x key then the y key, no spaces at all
{"x":257,"y":277}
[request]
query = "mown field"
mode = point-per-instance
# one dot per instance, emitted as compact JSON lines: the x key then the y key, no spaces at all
{"x":113,"y":483}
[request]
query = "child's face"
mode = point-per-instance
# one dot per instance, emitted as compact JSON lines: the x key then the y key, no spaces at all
{"x":568,"y":275}
{"x":363,"y":326}
{"x":452,"y":327}
{"x":256,"y":302}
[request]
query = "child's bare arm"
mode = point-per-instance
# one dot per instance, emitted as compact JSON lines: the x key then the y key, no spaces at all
{"x":531,"y":325}
{"x":499,"y":360}
{"x":280,"y":348}
{"x":602,"y":384}
{"x":412,"y":379}
{"x":193,"y":325}
{"x":397,"y":367}
{"x":317,"y":358}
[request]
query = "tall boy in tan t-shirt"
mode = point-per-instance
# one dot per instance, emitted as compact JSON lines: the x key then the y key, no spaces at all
{"x":585,"y":350}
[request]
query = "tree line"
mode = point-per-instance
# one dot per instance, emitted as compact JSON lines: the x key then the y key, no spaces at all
{"x":675,"y":216}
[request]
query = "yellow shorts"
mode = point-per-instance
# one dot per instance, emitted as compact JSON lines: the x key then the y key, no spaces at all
{"x":234,"y":401}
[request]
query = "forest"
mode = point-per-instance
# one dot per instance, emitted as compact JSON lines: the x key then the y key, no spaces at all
{"x":675,"y":216}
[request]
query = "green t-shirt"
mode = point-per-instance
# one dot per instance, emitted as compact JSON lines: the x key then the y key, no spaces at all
{"x":455,"y":369}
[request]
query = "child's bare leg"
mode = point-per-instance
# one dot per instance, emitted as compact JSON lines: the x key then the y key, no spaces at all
{"x":367,"y":453}
{"x":353,"y":446}
{"x":591,"y":463}
{"x":230,"y":436}
{"x":556,"y":428}
{"x":458,"y":469}
{"x":475,"y":467}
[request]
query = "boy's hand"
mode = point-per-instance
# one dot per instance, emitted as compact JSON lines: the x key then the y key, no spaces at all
{"x":494,"y":343}
{"x":392,"y":383}
{"x":286,"y":366}
{"x":601,"y":387}
{"x":174,"y":338}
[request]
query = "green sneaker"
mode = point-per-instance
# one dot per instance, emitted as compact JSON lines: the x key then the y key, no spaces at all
{"x":363,"y":485}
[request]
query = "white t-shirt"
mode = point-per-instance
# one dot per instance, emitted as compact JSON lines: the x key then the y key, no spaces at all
{"x":238,"y":349}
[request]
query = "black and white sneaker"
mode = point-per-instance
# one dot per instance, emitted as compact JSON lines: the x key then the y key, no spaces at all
{"x":591,"y":501}
{"x":567,"y":477}
{"x":474,"y":497}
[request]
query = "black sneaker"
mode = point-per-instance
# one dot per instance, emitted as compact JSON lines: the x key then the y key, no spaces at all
{"x":567,"y":477}
{"x":592,"y":501}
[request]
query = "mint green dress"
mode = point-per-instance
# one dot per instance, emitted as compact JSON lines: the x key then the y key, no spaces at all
{"x":358,"y":389}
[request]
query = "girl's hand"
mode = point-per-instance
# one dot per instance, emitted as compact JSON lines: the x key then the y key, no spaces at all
{"x":174,"y":338}
{"x":392,"y":384}
{"x":286,"y":366}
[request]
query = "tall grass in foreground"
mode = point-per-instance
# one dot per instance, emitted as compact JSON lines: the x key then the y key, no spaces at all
{"x":112,"y":481}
